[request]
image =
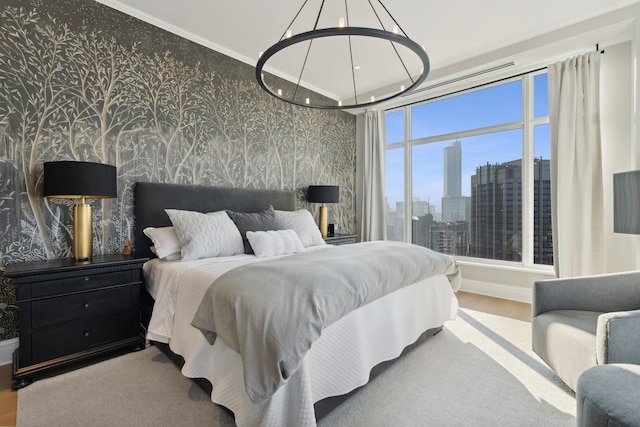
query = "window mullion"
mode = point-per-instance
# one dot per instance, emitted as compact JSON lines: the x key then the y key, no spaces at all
{"x":527,"y":172}
{"x":408,"y":175}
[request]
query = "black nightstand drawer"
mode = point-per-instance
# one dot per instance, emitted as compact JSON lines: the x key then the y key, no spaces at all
{"x":80,"y":335}
{"x":53,"y":311}
{"x":72,"y":311}
{"x":79,"y":283}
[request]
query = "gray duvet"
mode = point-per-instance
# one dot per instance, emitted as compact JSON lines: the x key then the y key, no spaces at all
{"x":272,"y":311}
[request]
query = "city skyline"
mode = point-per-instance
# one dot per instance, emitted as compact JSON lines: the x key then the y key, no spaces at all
{"x":495,"y":105}
{"x":491,"y":226}
{"x":503,"y":149}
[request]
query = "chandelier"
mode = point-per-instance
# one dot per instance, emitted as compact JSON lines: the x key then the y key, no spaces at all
{"x":350,"y":53}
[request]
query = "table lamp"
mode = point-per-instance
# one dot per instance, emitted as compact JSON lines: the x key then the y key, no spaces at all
{"x":323,"y":194}
{"x":80,"y":180}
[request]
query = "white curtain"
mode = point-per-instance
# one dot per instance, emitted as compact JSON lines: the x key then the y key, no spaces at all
{"x":370,"y":180}
{"x":577,"y":199}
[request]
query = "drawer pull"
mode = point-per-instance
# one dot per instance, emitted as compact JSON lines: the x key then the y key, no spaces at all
{"x":86,"y":333}
{"x":86,"y":305}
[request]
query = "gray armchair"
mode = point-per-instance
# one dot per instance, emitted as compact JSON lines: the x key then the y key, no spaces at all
{"x":581,"y":322}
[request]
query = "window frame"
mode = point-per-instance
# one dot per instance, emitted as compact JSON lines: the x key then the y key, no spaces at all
{"x":526,"y":125}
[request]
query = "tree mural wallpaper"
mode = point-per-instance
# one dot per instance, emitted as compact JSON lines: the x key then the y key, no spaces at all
{"x":80,"y":81}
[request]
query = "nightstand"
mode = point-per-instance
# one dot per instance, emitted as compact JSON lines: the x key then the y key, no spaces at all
{"x":343,"y":239}
{"x":71,"y":311}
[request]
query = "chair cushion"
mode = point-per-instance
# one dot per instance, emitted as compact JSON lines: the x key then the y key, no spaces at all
{"x":607,"y":396}
{"x":566,"y":341}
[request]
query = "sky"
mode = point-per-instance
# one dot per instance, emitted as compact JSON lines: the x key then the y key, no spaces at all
{"x":486,"y":107}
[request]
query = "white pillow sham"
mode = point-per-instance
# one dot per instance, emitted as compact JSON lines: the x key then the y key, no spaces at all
{"x":274,"y":242}
{"x":301,"y":221}
{"x":172,"y":257}
{"x":165,"y":241}
{"x":205,"y":235}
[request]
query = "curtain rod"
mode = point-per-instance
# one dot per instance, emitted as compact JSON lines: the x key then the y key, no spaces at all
{"x":455,"y":92}
{"x":481,"y":85}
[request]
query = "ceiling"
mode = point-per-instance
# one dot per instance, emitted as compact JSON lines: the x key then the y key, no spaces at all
{"x":458,"y":35}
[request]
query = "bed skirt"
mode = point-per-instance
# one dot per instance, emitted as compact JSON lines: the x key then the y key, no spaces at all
{"x":322,"y":407}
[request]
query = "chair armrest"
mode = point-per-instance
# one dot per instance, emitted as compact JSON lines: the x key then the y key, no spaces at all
{"x":603,"y":292}
{"x":618,"y":337}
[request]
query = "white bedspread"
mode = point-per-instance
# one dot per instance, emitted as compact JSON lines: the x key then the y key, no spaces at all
{"x":339,"y":361}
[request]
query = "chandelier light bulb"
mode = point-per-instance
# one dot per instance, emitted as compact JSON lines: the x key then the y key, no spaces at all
{"x":339,"y":102}
{"x":260,"y":54}
{"x":288,"y":34}
{"x":373,"y":98}
{"x":279,"y":92}
{"x":306,"y":100}
{"x":341,"y":23}
{"x":401,"y":88}
{"x":396,"y":30}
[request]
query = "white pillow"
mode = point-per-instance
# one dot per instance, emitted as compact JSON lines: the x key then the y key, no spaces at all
{"x":205,"y":235}
{"x":274,"y":242}
{"x":171,"y":257}
{"x":165,"y":241}
{"x":303,"y":224}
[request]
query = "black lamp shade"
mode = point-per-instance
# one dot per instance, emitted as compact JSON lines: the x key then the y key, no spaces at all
{"x":324,"y":194}
{"x":626,"y":202}
{"x":73,"y":180}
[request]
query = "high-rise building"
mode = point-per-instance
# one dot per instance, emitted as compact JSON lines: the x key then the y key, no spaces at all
{"x":496,"y":218}
{"x":421,"y":230}
{"x":496,"y":212}
{"x":453,"y":170}
{"x":447,"y":237}
{"x":542,"y":235}
{"x":455,"y":206}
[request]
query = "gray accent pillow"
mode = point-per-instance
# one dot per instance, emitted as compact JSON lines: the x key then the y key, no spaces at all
{"x":256,"y":221}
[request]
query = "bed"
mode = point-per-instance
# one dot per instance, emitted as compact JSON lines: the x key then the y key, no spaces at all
{"x":346,"y":354}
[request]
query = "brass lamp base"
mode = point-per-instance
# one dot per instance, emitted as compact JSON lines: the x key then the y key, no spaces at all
{"x":323,"y":221}
{"x":82,"y":231}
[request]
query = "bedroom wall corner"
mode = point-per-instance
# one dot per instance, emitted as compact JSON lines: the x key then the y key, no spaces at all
{"x":7,"y":347}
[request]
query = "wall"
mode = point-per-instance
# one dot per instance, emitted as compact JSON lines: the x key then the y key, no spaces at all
{"x":80,"y":81}
{"x":616,"y":70}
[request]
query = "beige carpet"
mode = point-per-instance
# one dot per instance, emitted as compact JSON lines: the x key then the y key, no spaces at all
{"x":479,"y":371}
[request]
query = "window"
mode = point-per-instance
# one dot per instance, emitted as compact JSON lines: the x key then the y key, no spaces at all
{"x":455,"y":170}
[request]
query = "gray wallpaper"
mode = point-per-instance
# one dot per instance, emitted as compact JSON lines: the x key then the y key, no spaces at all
{"x":80,"y":81}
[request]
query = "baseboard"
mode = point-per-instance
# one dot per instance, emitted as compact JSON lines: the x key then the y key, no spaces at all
{"x":514,"y":293}
{"x":7,"y":348}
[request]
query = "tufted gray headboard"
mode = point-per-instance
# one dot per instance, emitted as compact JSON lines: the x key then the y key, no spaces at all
{"x":151,"y":199}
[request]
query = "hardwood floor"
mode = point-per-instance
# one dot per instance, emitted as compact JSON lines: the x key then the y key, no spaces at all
{"x":8,"y":398}
{"x":512,"y":309}
{"x":501,"y":307}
